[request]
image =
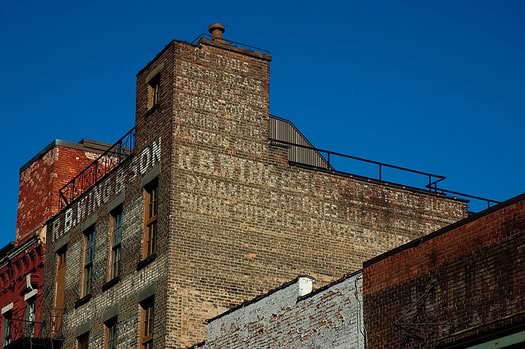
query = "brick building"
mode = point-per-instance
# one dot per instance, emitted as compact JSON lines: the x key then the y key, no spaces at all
{"x":207,"y":202}
{"x":294,"y":316}
{"x":21,"y":285}
{"x":22,"y":261}
{"x":462,"y":286}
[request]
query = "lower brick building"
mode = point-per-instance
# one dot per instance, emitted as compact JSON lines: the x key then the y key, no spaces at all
{"x":22,"y":260}
{"x":207,"y":202}
{"x":462,"y":286}
{"x":21,"y":285}
{"x":294,"y":316}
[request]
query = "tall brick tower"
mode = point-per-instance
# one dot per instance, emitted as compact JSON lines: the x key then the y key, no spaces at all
{"x":213,"y":206}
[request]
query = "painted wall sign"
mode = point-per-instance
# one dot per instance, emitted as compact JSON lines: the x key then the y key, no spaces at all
{"x":102,"y":193}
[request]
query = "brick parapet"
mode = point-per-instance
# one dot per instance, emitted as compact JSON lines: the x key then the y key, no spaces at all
{"x":466,"y":281}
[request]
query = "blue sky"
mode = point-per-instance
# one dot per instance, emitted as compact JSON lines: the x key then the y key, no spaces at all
{"x":437,"y":86}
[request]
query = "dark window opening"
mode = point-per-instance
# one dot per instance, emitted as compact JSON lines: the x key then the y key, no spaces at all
{"x":151,"y":203}
{"x":115,"y":258}
{"x":83,"y":341}
{"x":6,"y":333}
{"x":111,"y":333}
{"x":146,"y":323}
{"x":89,"y":255}
{"x":154,"y":92}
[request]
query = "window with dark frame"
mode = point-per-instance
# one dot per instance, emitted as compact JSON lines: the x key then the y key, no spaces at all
{"x":83,"y":341}
{"x":6,"y":333}
{"x":58,"y":310}
{"x":154,"y":91}
{"x":146,"y":323}
{"x":111,"y":333}
{"x":30,"y":317}
{"x":151,"y":204}
{"x":89,"y":254}
{"x":117,"y":220}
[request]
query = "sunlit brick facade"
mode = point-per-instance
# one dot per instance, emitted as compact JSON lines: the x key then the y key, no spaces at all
{"x":207,"y":211}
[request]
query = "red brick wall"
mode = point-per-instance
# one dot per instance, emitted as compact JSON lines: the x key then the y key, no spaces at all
{"x":466,"y":280}
{"x":40,"y":184}
{"x":26,"y":259}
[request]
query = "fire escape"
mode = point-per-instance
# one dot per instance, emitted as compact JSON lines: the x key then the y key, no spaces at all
{"x":31,"y":334}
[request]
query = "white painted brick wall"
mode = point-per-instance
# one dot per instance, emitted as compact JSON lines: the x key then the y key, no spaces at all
{"x":331,"y":318}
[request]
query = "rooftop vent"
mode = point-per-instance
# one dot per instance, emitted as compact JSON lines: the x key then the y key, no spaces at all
{"x":216,"y":30}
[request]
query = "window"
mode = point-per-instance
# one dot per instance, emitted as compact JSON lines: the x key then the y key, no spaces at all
{"x":89,"y":251}
{"x":146,"y":323}
{"x":111,"y":333}
{"x":6,"y":333}
{"x":154,"y":91}
{"x":83,"y":341}
{"x":150,"y":218}
{"x":117,"y":219}
{"x":58,"y":311}
{"x":30,"y":317}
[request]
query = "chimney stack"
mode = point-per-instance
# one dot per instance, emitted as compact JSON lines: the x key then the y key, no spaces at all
{"x":216,"y":30}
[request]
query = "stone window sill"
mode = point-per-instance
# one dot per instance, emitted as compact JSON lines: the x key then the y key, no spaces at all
{"x":111,"y":283}
{"x":146,"y":261}
{"x":83,"y":300}
{"x":151,"y":110}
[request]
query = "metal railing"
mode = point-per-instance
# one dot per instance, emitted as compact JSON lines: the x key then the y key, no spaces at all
{"x":98,"y":169}
{"x":329,"y":155}
{"x":29,"y":334}
{"x":231,"y":43}
{"x":20,"y":328}
{"x":444,"y":191}
{"x":431,"y":179}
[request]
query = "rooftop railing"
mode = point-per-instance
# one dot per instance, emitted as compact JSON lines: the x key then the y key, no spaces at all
{"x":231,"y":43}
{"x":98,"y":169}
{"x":301,"y":152}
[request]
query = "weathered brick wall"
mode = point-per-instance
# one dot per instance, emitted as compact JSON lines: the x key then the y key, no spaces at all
{"x":125,"y":185}
{"x":40,"y":183}
{"x":152,"y":126}
{"x":244,"y":220}
{"x":328,"y":318}
{"x":466,"y":280}
{"x":123,"y":294}
{"x":235,"y":219}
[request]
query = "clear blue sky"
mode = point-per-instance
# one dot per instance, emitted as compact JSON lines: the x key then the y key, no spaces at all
{"x":438,"y":86}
